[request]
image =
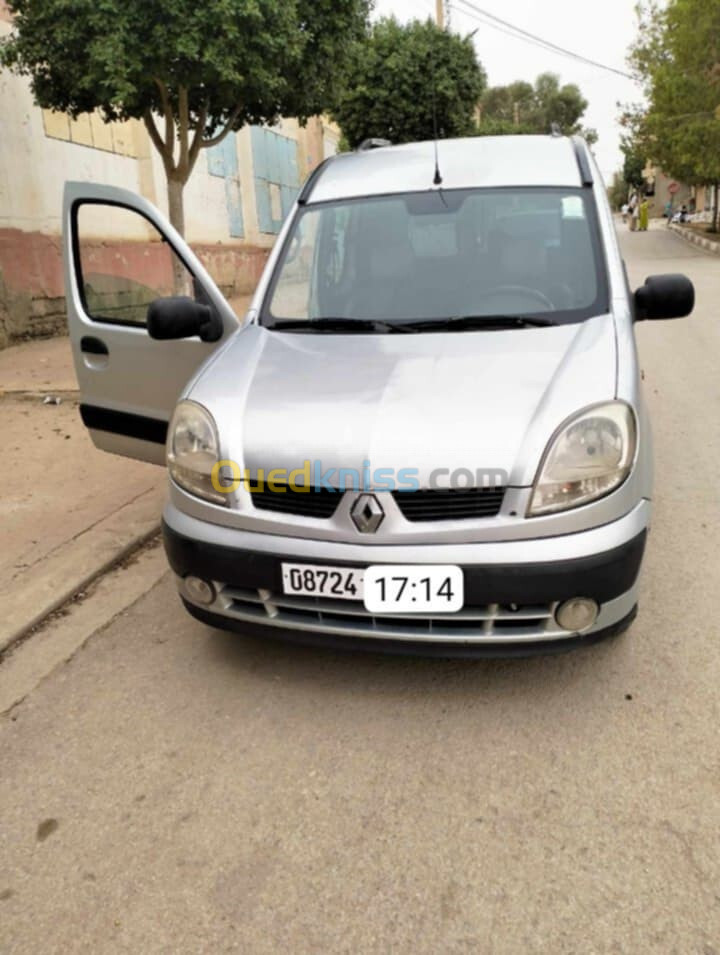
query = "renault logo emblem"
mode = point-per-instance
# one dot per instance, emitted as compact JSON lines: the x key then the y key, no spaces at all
{"x":367,"y":514}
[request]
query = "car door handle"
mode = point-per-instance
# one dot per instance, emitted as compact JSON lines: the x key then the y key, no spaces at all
{"x":93,"y":346}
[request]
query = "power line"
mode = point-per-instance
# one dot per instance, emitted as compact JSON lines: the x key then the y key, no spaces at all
{"x":521,"y":34}
{"x":509,"y":29}
{"x":518,"y":33}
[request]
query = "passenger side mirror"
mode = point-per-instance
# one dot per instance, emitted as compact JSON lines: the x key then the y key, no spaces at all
{"x":664,"y":296}
{"x":181,"y":317}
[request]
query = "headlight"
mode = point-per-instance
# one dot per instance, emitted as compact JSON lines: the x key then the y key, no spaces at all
{"x":193,"y":450}
{"x":589,"y":457}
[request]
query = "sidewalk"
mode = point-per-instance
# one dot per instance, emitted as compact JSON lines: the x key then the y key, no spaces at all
{"x":711,"y":243}
{"x":68,"y":512}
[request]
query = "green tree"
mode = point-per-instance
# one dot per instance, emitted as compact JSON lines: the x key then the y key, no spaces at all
{"x":399,"y":73}
{"x":508,"y":103}
{"x":535,"y":109}
{"x":192,"y":72}
{"x":633,"y":171}
{"x":676,"y":57}
{"x":504,"y":127}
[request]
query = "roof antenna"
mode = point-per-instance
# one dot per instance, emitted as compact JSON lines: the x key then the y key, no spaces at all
{"x":438,"y":179}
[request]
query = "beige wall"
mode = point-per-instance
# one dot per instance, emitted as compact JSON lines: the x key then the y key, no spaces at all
{"x":41,"y":150}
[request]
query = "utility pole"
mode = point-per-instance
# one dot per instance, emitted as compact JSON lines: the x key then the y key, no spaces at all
{"x":440,"y":8}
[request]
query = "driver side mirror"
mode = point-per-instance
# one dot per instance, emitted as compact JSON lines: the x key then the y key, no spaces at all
{"x":664,"y":296}
{"x":181,"y":317}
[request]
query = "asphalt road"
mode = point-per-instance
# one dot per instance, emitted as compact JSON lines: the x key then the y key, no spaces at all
{"x":175,"y":789}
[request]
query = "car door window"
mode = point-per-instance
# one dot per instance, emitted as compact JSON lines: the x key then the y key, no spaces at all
{"x":125,"y":264}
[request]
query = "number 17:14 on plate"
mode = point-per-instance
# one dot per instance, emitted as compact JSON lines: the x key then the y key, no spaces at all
{"x":386,"y":588}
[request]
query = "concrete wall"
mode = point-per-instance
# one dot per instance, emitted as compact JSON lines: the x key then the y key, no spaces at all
{"x":233,"y":206}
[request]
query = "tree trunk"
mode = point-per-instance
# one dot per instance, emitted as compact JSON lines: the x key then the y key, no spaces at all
{"x":176,"y":211}
{"x":716,"y":197}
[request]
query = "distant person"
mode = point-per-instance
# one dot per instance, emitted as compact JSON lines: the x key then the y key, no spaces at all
{"x":684,"y":215}
{"x":634,"y":212}
{"x":644,"y":215}
{"x":625,"y":210}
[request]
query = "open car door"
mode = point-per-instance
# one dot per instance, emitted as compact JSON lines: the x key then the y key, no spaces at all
{"x":121,"y":257}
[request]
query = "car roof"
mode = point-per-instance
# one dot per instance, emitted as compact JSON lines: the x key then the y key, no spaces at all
{"x":477,"y":162}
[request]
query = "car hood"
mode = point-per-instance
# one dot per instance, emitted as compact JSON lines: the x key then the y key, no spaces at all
{"x":478,"y":401}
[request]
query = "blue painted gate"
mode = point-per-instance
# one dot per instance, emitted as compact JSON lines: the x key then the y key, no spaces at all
{"x":277,"y":180}
{"x":222,"y":161}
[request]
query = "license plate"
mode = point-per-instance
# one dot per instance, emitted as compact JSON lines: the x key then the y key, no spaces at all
{"x":314,"y":580}
{"x":414,"y":589}
{"x":387,"y":588}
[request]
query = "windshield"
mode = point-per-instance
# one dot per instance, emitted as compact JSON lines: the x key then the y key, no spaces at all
{"x":442,"y":254}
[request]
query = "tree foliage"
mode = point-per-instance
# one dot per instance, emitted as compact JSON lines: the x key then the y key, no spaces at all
{"x":191,"y":71}
{"x":504,"y":127}
{"x":506,"y":103}
{"x":631,"y":178}
{"x":634,"y":163}
{"x":398,"y":73}
{"x":524,"y":107}
{"x":676,"y":57}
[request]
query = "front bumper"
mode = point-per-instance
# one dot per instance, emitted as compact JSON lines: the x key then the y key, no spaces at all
{"x":512,"y":589}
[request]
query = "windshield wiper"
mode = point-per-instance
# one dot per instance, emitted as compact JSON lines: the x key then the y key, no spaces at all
{"x":452,"y":323}
{"x":358,"y":325}
{"x":469,"y":322}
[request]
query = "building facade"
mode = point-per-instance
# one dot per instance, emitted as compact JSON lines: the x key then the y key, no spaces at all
{"x":235,"y":200}
{"x":702,"y":202}
{"x":662,"y":189}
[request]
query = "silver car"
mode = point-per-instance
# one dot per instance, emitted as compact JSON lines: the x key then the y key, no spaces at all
{"x":426,"y":435}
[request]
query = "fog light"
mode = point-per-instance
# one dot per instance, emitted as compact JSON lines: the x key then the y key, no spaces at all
{"x":577,"y":614}
{"x":199,"y":591}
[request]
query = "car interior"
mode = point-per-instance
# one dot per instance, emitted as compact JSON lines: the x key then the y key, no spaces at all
{"x":489,"y":254}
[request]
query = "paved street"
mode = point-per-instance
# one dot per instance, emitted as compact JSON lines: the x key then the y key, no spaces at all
{"x":176,"y":789}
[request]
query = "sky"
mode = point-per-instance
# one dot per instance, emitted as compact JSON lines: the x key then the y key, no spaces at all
{"x":601,"y":31}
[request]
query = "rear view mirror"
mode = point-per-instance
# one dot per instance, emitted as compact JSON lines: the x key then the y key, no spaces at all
{"x":664,"y":296}
{"x":181,"y":317}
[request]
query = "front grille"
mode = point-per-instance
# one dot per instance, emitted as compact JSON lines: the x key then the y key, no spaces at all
{"x":317,"y":502}
{"x":450,"y":505}
{"x":415,"y":506}
{"x":473,"y":624}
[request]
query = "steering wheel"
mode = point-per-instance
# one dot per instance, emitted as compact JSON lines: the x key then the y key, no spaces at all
{"x":531,"y":293}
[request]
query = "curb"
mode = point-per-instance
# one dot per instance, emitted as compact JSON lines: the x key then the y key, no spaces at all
{"x":57,"y":639}
{"x":691,"y":236}
{"x":46,"y":586}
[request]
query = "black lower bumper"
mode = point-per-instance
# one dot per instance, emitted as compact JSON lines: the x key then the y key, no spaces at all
{"x":410,"y":648}
{"x":602,"y":577}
